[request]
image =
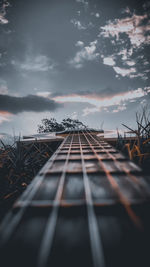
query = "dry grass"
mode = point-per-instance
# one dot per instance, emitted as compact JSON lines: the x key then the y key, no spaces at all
{"x":139,"y":149}
{"x":18,"y":166}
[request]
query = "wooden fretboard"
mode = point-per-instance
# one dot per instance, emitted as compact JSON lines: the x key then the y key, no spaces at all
{"x":88,"y":206}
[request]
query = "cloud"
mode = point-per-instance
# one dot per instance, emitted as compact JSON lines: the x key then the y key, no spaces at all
{"x":125,"y":53}
{"x":84,"y":2}
{"x":119,"y":108}
{"x":147,"y":89}
{"x":89,"y":110}
{"x":3,"y":20}
{"x":87,"y":53}
{"x":124,"y":72}
{"x":133,"y":27}
{"x":3,"y":87}
{"x":79,"y":44}
{"x":74,"y":115}
{"x":38,"y":63}
{"x":78,"y":24}
{"x":97,"y":15}
{"x":126,"y":10}
{"x":109,"y":61}
{"x":3,"y":90}
{"x":140,"y":75}
{"x":129,"y":39}
{"x":99,"y":102}
{"x":43,"y":94}
{"x":130,"y":63}
{"x":33,"y":103}
{"x":4,"y":116}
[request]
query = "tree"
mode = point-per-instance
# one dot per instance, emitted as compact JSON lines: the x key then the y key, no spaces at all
{"x":72,"y":124}
{"x":51,"y":125}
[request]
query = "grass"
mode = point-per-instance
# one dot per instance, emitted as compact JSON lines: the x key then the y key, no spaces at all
{"x":139,"y":148}
{"x":18,"y":166}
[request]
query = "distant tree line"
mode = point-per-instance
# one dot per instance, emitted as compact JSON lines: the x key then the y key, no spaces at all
{"x":51,"y":125}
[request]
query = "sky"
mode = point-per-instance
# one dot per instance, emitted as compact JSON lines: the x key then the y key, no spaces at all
{"x":84,"y":59}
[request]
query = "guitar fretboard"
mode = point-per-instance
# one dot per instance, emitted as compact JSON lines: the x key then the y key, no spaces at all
{"x":87,"y":207}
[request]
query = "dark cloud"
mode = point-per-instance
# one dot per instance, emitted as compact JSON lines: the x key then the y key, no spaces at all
{"x":103,"y":92}
{"x":34,"y":103}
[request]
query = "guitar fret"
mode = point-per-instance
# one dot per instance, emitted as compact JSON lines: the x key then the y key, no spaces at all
{"x":67,"y":211}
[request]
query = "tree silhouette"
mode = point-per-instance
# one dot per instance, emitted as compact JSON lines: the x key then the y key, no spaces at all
{"x":51,"y":125}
